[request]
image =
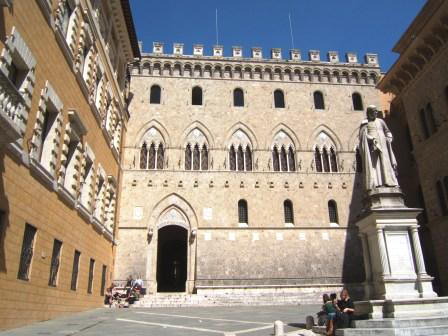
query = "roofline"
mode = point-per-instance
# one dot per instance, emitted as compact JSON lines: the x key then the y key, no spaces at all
{"x":417,"y":24}
{"x":127,"y":13}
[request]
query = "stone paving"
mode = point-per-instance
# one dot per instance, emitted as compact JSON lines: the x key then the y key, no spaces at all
{"x":226,"y":321}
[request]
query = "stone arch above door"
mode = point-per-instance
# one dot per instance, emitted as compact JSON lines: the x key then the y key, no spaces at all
{"x":173,"y":208}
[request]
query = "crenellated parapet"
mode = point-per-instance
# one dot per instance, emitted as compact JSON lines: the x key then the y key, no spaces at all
{"x":256,"y":67}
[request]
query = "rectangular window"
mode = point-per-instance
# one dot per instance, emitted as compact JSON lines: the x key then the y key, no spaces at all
{"x":55,"y":261}
{"x":103,"y":280}
{"x":75,"y":270}
{"x":91,"y":269}
{"x":27,"y":252}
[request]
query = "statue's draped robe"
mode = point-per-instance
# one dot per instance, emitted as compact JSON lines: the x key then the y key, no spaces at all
{"x":378,"y":164}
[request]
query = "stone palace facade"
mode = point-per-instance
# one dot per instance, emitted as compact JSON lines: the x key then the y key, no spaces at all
{"x":242,"y":173}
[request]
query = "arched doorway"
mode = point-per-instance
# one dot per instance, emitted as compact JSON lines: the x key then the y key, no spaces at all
{"x":172,"y":253}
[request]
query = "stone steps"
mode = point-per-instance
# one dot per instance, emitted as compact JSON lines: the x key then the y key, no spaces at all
{"x":186,"y":300}
{"x":437,"y":325}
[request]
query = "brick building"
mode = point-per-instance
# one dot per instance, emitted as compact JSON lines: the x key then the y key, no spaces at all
{"x":62,"y":115}
{"x":418,"y":117}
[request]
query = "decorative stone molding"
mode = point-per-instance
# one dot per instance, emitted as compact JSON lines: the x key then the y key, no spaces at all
{"x":46,"y":153}
{"x":15,"y":102}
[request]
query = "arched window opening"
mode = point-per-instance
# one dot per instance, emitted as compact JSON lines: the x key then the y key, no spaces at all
{"x":188,"y":157}
{"x":196,"y":96}
{"x":442,"y":198}
{"x":275,"y":160}
{"x":357,"y":102}
{"x":318,"y":160}
{"x":326,"y":160}
{"x":242,"y":212}
{"x":289,"y":213}
{"x":144,"y":156}
{"x":279,"y":99}
{"x":238,"y":98}
{"x":204,"y":158}
{"x":291,"y":160}
{"x":248,"y":159}
{"x":232,"y":158}
{"x":432,"y":126}
{"x":156,"y":93}
{"x":152,"y":157}
{"x":196,"y":158}
{"x":240,"y":158}
{"x":319,"y":103}
{"x":160,"y":157}
{"x":283,"y":159}
{"x":333,"y":212}
{"x":425,"y":128}
{"x":333,"y":160}
{"x":358,"y":161}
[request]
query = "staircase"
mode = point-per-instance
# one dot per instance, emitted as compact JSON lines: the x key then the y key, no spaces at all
{"x":231,"y":299}
{"x":423,"y":326}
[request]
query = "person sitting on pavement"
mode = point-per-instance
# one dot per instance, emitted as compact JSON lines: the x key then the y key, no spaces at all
{"x":330,"y":309}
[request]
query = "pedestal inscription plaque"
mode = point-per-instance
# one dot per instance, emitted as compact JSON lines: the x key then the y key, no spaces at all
{"x":400,"y":254}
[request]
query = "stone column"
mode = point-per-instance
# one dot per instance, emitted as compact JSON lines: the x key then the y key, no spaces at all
{"x":383,"y":252}
{"x":366,"y":256}
{"x":420,"y":263}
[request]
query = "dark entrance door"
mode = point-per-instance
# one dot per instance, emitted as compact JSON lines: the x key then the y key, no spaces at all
{"x":172,"y":259}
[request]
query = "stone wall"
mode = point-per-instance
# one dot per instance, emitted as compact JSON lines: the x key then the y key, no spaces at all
{"x":267,"y":252}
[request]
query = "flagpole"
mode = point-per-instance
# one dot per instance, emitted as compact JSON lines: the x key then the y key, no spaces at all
{"x":290,"y":29}
{"x":217,"y":33}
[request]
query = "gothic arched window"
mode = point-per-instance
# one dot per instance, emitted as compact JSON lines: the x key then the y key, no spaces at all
{"x":196,"y":96}
{"x":319,"y":103}
{"x":238,"y":97}
{"x":275,"y":160}
{"x":333,"y":160}
{"x":318,"y":160}
{"x":291,"y":159}
{"x":333,"y":212}
{"x":283,"y":159}
{"x":248,"y":159}
{"x":288,"y":211}
{"x":326,"y":160}
{"x":188,"y":157}
{"x":240,"y":158}
{"x":156,"y":93}
{"x":160,"y":156}
{"x":242,"y":212}
{"x":279,"y":99}
{"x":152,"y":157}
{"x":144,"y":156}
{"x":358,"y":161}
{"x":232,"y":158}
{"x":196,"y":158}
{"x":204,"y":158}
{"x":357,"y":102}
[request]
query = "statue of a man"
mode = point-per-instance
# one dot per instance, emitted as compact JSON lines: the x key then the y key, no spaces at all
{"x":378,"y":159}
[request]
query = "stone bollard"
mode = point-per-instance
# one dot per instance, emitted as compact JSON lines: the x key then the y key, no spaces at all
{"x":278,"y":328}
{"x":309,"y":322}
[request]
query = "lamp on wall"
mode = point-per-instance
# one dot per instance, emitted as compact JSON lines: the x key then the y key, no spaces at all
{"x":193,"y":235}
{"x":149,"y":234}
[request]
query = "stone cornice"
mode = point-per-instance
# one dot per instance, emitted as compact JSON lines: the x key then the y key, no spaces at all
{"x":417,"y":51}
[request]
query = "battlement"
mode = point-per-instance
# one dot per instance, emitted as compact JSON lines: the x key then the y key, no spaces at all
{"x":276,"y":55}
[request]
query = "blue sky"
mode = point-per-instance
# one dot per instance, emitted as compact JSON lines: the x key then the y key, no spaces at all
{"x":343,"y":25}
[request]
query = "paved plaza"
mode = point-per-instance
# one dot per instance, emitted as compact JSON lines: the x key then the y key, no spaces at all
{"x":227,"y":321}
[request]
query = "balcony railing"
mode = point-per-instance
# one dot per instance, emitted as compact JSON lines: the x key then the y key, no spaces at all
{"x":12,"y":105}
